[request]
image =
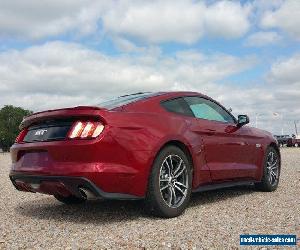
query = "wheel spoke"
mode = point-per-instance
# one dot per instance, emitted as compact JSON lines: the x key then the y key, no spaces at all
{"x":180,"y":190}
{"x":274,"y":167}
{"x":170,"y":196}
{"x":180,"y":184}
{"x":270,"y":178}
{"x":178,"y":167}
{"x":181,"y":172}
{"x":274,"y":175}
{"x":172,"y":167}
{"x":164,"y":187}
{"x":174,"y":195}
{"x":168,"y":166}
{"x":273,"y":164}
{"x":272,"y":157}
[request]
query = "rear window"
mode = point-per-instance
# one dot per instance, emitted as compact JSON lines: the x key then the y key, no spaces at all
{"x":126,"y":99}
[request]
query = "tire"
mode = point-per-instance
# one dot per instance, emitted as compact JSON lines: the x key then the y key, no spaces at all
{"x":69,"y":200}
{"x":269,"y":181}
{"x":164,"y":198}
{"x":296,"y":145}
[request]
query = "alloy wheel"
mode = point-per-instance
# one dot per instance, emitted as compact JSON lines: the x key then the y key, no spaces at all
{"x":173,"y":181}
{"x":273,"y":168}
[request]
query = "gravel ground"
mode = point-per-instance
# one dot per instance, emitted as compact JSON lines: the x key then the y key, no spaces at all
{"x":214,"y":219}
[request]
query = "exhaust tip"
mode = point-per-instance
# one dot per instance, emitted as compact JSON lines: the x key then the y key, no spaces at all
{"x":87,"y":194}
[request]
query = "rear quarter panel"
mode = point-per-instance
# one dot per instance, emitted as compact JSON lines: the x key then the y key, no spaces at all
{"x":150,"y":132}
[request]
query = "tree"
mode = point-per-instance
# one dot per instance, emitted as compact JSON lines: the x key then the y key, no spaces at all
{"x":10,"y":119}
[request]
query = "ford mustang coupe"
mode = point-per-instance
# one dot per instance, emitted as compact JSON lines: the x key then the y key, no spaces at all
{"x":159,"y":147}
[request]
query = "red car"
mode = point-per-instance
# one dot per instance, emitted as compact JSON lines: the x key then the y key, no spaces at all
{"x":160,"y":147}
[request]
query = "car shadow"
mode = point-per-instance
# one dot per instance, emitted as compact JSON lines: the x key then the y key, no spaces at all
{"x":108,"y":211}
{"x":218,"y":195}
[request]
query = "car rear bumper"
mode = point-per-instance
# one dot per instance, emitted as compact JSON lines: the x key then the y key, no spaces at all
{"x":64,"y":186}
{"x":109,"y":166}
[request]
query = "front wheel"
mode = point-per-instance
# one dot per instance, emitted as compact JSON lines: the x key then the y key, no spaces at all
{"x":170,"y":183}
{"x":271,"y":171}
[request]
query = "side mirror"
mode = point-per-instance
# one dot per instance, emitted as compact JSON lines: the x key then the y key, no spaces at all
{"x":242,"y":120}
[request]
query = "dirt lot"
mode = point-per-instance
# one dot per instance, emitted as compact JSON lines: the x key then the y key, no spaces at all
{"x":214,"y":219}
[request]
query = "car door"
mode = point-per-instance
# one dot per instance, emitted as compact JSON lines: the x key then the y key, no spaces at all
{"x":229,"y":152}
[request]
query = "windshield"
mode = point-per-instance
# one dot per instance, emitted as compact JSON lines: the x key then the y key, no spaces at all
{"x":126,"y":99}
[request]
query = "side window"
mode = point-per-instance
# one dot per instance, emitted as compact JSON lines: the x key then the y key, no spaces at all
{"x":177,"y":105}
{"x":206,"y":109}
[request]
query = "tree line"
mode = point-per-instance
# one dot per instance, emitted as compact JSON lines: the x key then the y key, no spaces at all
{"x":10,"y":119}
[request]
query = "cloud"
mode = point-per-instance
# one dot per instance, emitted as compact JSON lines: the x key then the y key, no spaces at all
{"x":265,"y":5}
{"x":125,"y":45}
{"x":227,"y":19}
{"x":156,"y":21}
{"x":179,"y":21}
{"x":59,"y":74}
{"x":260,"y":39}
{"x":34,"y":19}
{"x":280,"y":94}
{"x":286,"y":18}
{"x":286,"y":72}
{"x":151,"y":21}
{"x":66,"y":71}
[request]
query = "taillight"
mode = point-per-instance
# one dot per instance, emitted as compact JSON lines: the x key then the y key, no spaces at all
{"x":21,"y":136}
{"x":85,"y":129}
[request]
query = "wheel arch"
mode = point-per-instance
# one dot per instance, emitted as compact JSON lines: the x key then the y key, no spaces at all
{"x":183,"y":147}
{"x":178,"y":143}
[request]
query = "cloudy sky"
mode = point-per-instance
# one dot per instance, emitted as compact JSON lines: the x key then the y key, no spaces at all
{"x":57,"y":53}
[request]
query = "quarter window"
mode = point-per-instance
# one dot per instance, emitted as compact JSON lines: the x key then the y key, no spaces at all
{"x":177,"y":105}
{"x":206,"y":109}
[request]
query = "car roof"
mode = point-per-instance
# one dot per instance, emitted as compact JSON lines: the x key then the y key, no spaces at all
{"x":143,"y":96}
{"x":174,"y":94}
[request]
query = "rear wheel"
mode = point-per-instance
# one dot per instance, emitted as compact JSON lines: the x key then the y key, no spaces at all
{"x":69,"y":199}
{"x":170,"y":183}
{"x":271,"y":171}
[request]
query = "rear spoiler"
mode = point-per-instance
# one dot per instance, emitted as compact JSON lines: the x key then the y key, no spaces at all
{"x":78,"y":111}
